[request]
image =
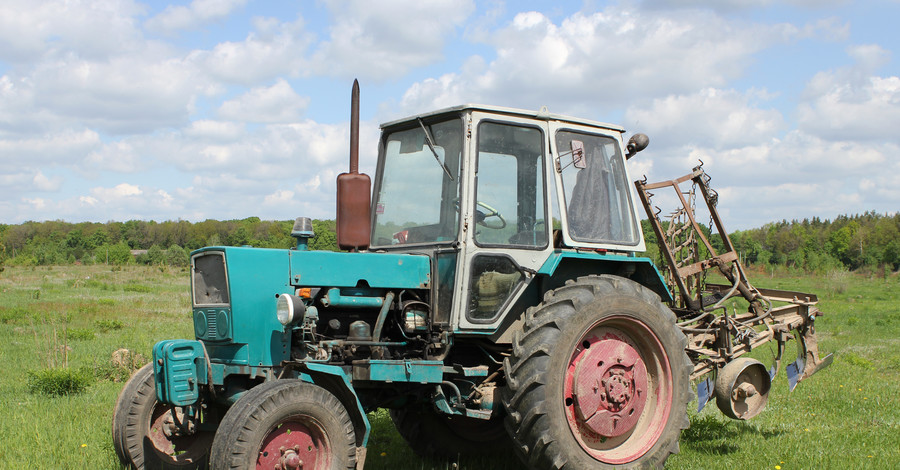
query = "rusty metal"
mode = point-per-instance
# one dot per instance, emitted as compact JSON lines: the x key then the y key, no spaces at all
{"x":352,"y":220}
{"x":716,"y":338}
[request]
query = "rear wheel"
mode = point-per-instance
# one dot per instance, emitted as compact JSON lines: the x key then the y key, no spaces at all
{"x":143,"y":431}
{"x":433,"y":434}
{"x":598,"y":378}
{"x":285,"y":424}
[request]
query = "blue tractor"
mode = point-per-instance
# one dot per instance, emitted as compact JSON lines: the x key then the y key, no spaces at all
{"x":491,"y":295}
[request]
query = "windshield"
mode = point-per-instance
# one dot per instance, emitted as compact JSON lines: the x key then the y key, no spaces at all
{"x":597,"y":194}
{"x":417,"y":192}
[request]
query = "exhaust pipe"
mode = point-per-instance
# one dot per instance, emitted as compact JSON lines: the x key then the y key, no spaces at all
{"x":353,"y":217}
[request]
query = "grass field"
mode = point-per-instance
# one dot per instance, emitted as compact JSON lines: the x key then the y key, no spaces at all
{"x":848,"y":416}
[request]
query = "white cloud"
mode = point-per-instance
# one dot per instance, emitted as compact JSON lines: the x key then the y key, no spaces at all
{"x":119,"y":191}
{"x":178,"y":17}
{"x":852,"y":103}
{"x":66,"y":148}
{"x":278,"y":197}
{"x":278,"y":103}
{"x":386,"y":39}
{"x":36,"y":203}
{"x":42,"y":183}
{"x":732,"y":5}
{"x":710,"y":117}
{"x":88,"y":200}
{"x":603,"y":60}
{"x":30,"y":30}
{"x":275,"y":50}
{"x":125,"y":94}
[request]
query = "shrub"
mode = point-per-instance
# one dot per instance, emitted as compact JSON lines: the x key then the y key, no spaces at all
{"x":13,"y":315}
{"x":859,"y":361}
{"x":131,"y":287}
{"x":59,"y":382}
{"x":108,"y":325}
{"x":80,"y":334}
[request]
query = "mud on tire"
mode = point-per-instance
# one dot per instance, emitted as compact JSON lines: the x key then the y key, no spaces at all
{"x":598,"y":378}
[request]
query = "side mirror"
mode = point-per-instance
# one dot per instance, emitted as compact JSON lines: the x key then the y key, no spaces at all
{"x":635,"y":144}
{"x":578,"y":154}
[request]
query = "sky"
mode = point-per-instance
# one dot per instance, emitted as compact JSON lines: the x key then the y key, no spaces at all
{"x":226,"y":109}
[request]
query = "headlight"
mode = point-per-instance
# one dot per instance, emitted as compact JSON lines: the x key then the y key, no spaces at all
{"x":289,"y":309}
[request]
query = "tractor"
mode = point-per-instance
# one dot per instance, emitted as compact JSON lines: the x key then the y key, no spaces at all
{"x":490,"y":293}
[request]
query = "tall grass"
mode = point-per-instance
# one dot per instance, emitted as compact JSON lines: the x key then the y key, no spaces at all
{"x":847,"y":416}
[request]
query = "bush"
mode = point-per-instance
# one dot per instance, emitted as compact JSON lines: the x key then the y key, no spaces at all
{"x":117,"y":254}
{"x":108,"y":325}
{"x":176,"y":256}
{"x":140,"y":288}
{"x":80,"y":334}
{"x":58,"y":382}
{"x":14,"y":314}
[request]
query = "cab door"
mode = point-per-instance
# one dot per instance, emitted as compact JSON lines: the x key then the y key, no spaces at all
{"x":507,"y":220}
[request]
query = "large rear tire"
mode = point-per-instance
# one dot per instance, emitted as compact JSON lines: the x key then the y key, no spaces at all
{"x":598,"y":378}
{"x":433,"y":434}
{"x":285,"y":423}
{"x":139,"y":431}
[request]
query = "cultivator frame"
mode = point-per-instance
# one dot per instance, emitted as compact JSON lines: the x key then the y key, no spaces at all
{"x":716,"y":338}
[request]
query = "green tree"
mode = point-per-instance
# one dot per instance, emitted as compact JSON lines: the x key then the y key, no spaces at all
{"x":176,"y":256}
{"x":326,"y":236}
{"x":117,"y":254}
{"x":156,"y":255}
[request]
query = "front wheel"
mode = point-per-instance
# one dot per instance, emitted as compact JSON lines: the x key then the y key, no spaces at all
{"x":285,"y":424}
{"x":143,"y":431}
{"x":598,"y":378}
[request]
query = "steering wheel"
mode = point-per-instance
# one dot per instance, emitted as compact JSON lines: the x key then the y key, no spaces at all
{"x":480,"y":217}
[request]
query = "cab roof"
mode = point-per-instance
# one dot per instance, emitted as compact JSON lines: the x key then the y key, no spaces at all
{"x":544,"y":114}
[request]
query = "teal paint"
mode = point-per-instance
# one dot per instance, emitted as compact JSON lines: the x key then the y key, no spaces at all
{"x":336,"y":381}
{"x":375,"y":270}
{"x":377,"y":370}
{"x":246,"y":334}
{"x":175,"y":371}
{"x":255,"y":276}
{"x":645,"y":271}
{"x":335,"y":298}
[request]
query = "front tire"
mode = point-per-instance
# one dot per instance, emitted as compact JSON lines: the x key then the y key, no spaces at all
{"x":289,"y":423}
{"x":138,"y":430}
{"x":598,"y":378}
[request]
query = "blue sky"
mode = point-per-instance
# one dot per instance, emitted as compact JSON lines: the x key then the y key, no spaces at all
{"x":119,"y":109}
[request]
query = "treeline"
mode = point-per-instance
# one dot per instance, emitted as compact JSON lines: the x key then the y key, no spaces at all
{"x":869,"y":240}
{"x":57,"y":242}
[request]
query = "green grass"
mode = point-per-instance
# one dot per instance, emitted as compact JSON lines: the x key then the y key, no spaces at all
{"x":76,"y":317}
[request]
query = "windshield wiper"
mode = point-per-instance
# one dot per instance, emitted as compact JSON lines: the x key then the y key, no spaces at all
{"x":433,"y":151}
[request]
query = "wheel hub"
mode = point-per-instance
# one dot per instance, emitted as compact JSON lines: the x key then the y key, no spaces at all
{"x":610,"y":386}
{"x":294,"y":445}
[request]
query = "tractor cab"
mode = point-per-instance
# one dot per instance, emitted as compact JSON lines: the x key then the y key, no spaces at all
{"x":491,"y":194}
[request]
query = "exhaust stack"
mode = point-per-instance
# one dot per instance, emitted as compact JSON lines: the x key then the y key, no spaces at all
{"x":353,"y":219}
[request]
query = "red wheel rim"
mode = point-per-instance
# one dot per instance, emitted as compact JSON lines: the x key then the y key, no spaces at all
{"x":298,"y":442}
{"x":618,"y":390}
{"x":170,"y":443}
